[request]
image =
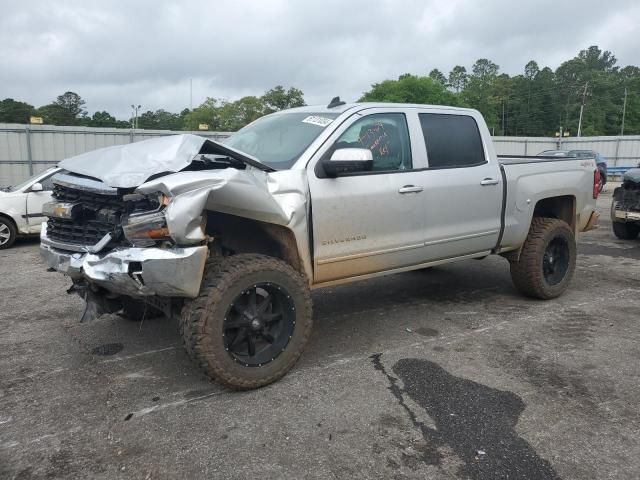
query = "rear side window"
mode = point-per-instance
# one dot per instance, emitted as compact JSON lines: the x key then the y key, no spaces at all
{"x":452,"y":140}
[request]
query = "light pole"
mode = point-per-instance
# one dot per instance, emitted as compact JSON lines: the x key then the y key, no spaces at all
{"x":135,"y":115}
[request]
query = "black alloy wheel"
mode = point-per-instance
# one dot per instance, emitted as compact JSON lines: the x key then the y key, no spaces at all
{"x":259,"y":324}
{"x":555,"y":262}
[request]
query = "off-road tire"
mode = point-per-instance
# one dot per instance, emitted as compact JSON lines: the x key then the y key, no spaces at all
{"x":527,"y":273}
{"x":137,"y":310}
{"x":626,"y":230}
{"x":202,"y":318}
{"x":8,"y":226}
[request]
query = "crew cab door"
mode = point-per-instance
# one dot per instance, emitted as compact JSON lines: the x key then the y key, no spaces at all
{"x":463,"y":187}
{"x":35,"y":202}
{"x":370,"y":221}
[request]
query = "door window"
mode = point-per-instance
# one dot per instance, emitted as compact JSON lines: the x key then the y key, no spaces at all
{"x":452,"y":141}
{"x":386,"y":135}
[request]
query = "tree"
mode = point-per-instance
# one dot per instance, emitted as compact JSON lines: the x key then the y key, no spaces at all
{"x":160,"y":120}
{"x":67,"y":109}
{"x":12,"y":111}
{"x":458,"y":78}
{"x":206,"y":113}
{"x":531,"y":69}
{"x":438,"y":77}
{"x":410,"y":89}
{"x":484,"y":68}
{"x":279,"y":99}
{"x":479,"y":92}
{"x":103,"y":119}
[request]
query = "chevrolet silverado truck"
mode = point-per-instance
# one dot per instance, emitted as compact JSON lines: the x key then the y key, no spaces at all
{"x":625,"y":208}
{"x":229,"y":237}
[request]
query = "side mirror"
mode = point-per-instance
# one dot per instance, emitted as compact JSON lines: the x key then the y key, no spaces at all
{"x":348,"y":160}
{"x":36,"y":187}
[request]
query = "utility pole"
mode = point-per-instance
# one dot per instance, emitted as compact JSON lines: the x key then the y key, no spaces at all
{"x":584,"y":99}
{"x":191,"y":94}
{"x":624,"y":110}
{"x":503,"y":118}
{"x":135,"y":113}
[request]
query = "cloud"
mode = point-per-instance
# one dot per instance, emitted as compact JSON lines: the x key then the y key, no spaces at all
{"x":119,"y":52}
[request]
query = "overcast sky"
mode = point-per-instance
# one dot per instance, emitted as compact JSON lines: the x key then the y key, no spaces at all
{"x":115,"y":53}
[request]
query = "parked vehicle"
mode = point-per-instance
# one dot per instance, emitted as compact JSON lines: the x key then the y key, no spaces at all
{"x":229,"y":238}
{"x":21,"y":207}
{"x":600,"y":160}
{"x":625,"y":208}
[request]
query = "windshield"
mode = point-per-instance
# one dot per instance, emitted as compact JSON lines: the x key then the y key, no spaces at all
{"x":278,"y":140}
{"x":20,"y":186}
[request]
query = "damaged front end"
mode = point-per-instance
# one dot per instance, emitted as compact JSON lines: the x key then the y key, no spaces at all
{"x":626,"y":198}
{"x":129,"y":222}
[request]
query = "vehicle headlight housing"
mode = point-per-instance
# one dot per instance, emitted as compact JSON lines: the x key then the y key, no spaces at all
{"x":143,"y":228}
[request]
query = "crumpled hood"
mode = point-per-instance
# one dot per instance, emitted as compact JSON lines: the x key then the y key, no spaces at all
{"x":632,"y":175}
{"x":130,"y":165}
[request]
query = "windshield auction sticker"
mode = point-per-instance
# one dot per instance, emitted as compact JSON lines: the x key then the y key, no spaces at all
{"x":319,"y":121}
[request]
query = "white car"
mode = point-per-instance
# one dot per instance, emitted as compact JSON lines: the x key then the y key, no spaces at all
{"x":21,"y":207}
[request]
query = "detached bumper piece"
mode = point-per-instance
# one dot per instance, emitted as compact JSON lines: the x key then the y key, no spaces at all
{"x":136,"y":272}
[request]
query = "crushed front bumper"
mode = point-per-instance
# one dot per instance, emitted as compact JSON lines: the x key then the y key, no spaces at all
{"x":136,"y":272}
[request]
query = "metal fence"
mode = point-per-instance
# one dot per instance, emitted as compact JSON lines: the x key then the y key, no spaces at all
{"x":29,"y":149}
{"x":623,"y":152}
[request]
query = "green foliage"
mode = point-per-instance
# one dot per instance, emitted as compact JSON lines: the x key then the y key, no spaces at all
{"x":221,"y":115}
{"x":458,"y":78}
{"x":160,"y":120}
{"x":279,"y":99}
{"x":227,"y":116}
{"x":67,"y":109}
{"x":104,"y":119}
{"x":438,"y":77}
{"x":411,"y":89}
{"x":12,"y":111}
{"x":538,"y":102}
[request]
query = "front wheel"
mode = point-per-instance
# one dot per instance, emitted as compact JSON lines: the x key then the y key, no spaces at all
{"x":626,"y":230}
{"x":8,"y":233}
{"x":547,"y":260}
{"x":251,"y":321}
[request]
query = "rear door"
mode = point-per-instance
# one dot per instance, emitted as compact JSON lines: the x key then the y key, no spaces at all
{"x":463,"y":189}
{"x":369,"y":221}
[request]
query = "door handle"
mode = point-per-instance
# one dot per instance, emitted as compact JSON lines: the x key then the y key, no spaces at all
{"x":410,"y":189}
{"x":489,"y":181}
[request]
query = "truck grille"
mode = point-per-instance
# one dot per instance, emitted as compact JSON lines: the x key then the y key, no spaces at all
{"x":99,"y":215}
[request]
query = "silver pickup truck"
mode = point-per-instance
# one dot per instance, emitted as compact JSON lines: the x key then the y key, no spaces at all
{"x":229,"y":238}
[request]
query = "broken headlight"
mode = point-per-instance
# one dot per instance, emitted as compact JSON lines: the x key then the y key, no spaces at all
{"x":146,"y":224}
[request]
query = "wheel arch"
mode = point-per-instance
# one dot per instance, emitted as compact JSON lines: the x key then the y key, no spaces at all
{"x":561,"y":207}
{"x":10,"y":218}
{"x":237,"y":234}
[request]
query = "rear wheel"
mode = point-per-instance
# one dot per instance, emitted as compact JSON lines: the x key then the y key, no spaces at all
{"x":626,"y":230}
{"x":547,"y":260}
{"x":8,"y":233}
{"x":251,"y":321}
